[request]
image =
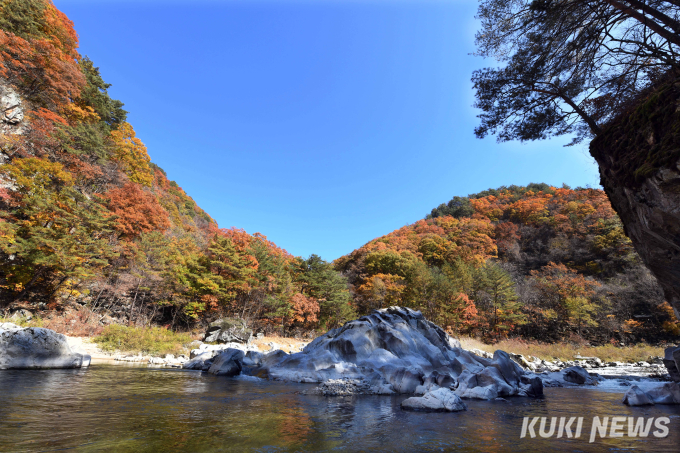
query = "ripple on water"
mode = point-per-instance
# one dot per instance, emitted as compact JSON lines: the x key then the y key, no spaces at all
{"x":138,"y":409}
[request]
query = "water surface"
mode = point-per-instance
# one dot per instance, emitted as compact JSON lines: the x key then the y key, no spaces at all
{"x":115,"y":408}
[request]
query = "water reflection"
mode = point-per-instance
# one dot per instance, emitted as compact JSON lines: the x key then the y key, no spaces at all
{"x":120,"y":409}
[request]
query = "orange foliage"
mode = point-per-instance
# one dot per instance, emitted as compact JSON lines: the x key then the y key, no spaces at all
{"x":45,"y":70}
{"x":469,"y":313}
{"x":305,"y":310}
{"x":557,"y":281}
{"x":137,"y":211}
{"x":383,"y":290}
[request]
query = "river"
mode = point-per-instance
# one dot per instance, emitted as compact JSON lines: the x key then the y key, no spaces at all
{"x":118,"y":408}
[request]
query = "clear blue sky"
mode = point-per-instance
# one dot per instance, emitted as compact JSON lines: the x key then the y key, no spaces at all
{"x":321,"y":124}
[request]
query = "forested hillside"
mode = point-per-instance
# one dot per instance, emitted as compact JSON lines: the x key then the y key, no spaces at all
{"x":538,"y":262}
{"x":89,"y":225}
{"x":88,"y":221}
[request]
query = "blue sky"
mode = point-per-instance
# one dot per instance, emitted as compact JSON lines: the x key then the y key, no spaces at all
{"x":321,"y":124}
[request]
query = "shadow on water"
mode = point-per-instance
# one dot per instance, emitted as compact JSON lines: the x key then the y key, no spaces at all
{"x":138,"y":409}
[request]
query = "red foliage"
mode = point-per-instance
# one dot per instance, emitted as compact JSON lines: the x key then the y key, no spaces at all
{"x":137,"y":211}
{"x":305,"y":310}
{"x":45,"y":69}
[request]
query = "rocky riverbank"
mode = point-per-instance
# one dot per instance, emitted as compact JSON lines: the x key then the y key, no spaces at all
{"x":85,"y":345}
{"x":391,"y":351}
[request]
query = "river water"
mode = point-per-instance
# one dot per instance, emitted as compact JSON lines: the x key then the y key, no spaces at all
{"x":117,"y":408}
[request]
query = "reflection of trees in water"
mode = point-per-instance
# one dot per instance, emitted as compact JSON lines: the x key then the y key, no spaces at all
{"x":295,"y":423}
{"x":139,"y":410}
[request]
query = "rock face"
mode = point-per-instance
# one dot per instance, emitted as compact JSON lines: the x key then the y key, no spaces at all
{"x":11,"y":110}
{"x":36,"y":348}
{"x":667,"y":393}
{"x":639,"y":159}
{"x":394,"y":350}
{"x":228,"y":330}
{"x":440,"y":400}
{"x":8,"y":326}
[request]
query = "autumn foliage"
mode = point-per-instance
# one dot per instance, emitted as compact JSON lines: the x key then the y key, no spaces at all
{"x":137,"y":210}
{"x":86,"y":217}
{"x":538,"y":261}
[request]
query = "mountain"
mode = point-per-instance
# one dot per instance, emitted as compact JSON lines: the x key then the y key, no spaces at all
{"x":88,"y":224}
{"x":534,"y":261}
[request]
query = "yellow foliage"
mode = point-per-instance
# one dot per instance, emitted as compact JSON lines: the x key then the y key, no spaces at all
{"x":630,"y":325}
{"x":36,"y":176}
{"x":76,"y":114}
{"x":131,"y":153}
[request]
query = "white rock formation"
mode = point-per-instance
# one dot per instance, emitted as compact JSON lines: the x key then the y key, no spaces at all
{"x":36,"y":348}
{"x":394,"y":350}
{"x":11,"y":110}
{"x":440,"y":400}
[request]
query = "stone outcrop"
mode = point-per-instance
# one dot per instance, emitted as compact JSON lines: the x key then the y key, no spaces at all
{"x":36,"y":348}
{"x":11,"y":110}
{"x":579,"y":376}
{"x":394,"y":350}
{"x":639,"y":158}
{"x":229,"y":363}
{"x":667,"y":393}
{"x":228,"y":330}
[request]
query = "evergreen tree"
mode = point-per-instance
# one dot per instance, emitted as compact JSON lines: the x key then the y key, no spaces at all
{"x":503,"y":299}
{"x":55,"y":233}
{"x":96,"y":96}
{"x":319,"y":280}
{"x":24,"y":18}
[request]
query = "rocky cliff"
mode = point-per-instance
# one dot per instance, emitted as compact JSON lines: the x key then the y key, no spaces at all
{"x":639,"y":159}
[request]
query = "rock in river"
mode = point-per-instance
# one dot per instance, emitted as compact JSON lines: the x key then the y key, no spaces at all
{"x":394,"y":350}
{"x":440,"y":400}
{"x":666,"y":393}
{"x":36,"y":348}
{"x":229,"y":363}
{"x":577,"y":375}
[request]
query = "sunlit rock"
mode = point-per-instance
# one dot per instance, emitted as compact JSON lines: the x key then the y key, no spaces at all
{"x":395,"y":350}
{"x":439,"y":400}
{"x":228,"y":363}
{"x":228,"y":330}
{"x":666,"y":393}
{"x":37,"y":348}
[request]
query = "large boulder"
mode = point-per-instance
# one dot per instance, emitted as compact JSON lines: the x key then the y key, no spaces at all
{"x":229,"y":363}
{"x":578,"y":375}
{"x":635,"y":396}
{"x":439,"y":400}
{"x":201,"y":361}
{"x":37,"y":348}
{"x":396,"y":350}
{"x":228,"y":330}
{"x":666,"y":393}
